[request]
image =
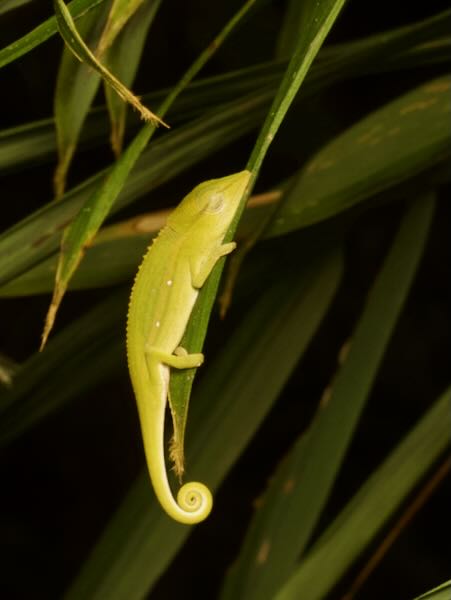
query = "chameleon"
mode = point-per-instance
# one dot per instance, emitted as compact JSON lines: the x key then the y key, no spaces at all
{"x":167,"y":284}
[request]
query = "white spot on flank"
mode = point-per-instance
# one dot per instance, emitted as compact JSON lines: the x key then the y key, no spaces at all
{"x":157,"y":324}
{"x":169,"y":282}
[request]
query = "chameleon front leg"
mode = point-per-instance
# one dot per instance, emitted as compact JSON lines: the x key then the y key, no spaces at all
{"x":194,"y":499}
{"x":201,"y":267}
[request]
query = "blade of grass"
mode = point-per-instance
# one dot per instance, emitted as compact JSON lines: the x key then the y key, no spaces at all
{"x":436,"y":51}
{"x":285,"y":524}
{"x":106,"y":263}
{"x":319,"y":19}
{"x":43,"y":32}
{"x":372,"y":506}
{"x":140,"y":540}
{"x":121,"y":11}
{"x":386,"y":170}
{"x":251,"y":279}
{"x":8,"y":5}
{"x":358,"y":176}
{"x":82,"y":230}
{"x":75,"y":43}
{"x":341,"y":174}
{"x":293,"y":23}
{"x":124,"y":56}
{"x":399,"y":48}
{"x":362,"y":53}
{"x":8,"y":370}
{"x":359,"y":49}
{"x":47,"y":29}
{"x":34,"y":141}
{"x":37,"y":236}
{"x":371,"y":156}
{"x":41,"y":387}
{"x":77,"y":83}
{"x":116,"y":251}
{"x":30,"y":241}
{"x":76,"y":86}
{"x":442,"y":592}
{"x":408,"y":514}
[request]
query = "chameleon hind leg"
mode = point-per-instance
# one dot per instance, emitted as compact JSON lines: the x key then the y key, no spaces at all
{"x":179,"y":360}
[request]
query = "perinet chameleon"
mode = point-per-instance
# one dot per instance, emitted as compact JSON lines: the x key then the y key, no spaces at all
{"x":175,"y":267}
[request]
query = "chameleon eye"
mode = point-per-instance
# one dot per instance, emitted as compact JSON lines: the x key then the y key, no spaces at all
{"x":215,"y":204}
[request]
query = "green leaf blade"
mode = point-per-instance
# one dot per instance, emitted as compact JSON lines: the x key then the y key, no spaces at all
{"x":75,"y":89}
{"x":141,"y":540}
{"x":40,"y":387}
{"x":372,"y":156}
{"x":285,"y":527}
{"x":129,"y":34}
{"x":376,"y":501}
{"x":37,"y":236}
{"x":82,"y":230}
{"x":75,"y":43}
{"x":442,"y":592}
{"x":42,"y":32}
{"x":121,"y":11}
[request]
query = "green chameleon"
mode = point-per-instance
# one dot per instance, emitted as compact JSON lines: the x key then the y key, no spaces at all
{"x":175,"y":267}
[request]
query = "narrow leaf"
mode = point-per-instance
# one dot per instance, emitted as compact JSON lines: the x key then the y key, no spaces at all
{"x":43,"y":32}
{"x":76,"y":87}
{"x":376,"y":501}
{"x":75,"y":43}
{"x":28,"y":242}
{"x":38,"y":235}
{"x":231,"y":401}
{"x":124,"y":56}
{"x":8,"y":5}
{"x":8,"y":370}
{"x":34,"y":142}
{"x":314,"y":20}
{"x":320,"y":17}
{"x":40,"y":387}
{"x":293,"y":22}
{"x":396,"y":49}
{"x":398,"y":141}
{"x":120,"y":13}
{"x":88,"y":221}
{"x":442,"y":592}
{"x":318,"y":20}
{"x":315,"y":463}
{"x":116,"y":250}
{"x":29,"y":238}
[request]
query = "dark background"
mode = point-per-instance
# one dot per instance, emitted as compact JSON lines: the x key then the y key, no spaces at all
{"x":62,"y":481}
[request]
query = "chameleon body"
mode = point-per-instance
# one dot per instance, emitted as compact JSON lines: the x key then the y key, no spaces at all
{"x":175,"y":267}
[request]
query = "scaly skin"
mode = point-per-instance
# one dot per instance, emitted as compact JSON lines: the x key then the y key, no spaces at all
{"x":175,"y":267}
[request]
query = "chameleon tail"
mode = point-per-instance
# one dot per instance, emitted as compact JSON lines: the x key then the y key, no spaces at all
{"x":194,"y":499}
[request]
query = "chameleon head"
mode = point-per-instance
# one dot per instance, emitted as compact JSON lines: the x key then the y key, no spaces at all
{"x":211,"y":203}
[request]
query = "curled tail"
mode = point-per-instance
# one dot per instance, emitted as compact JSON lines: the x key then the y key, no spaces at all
{"x":194,"y":499}
{"x":194,"y":503}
